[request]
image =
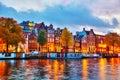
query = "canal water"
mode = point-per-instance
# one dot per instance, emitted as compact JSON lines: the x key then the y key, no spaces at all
{"x":82,"y":69}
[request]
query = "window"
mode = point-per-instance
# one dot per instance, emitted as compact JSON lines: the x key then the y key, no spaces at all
{"x":50,"y":35}
{"x":51,"y":40}
{"x":84,"y":41}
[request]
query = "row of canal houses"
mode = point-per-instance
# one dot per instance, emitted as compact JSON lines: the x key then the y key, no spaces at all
{"x":84,"y":41}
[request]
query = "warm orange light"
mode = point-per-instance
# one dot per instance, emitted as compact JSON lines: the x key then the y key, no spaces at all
{"x":31,"y":24}
{"x":85,"y":69}
{"x":51,"y":47}
{"x":102,"y":45}
{"x":102,"y":63}
{"x":2,"y":69}
{"x":18,"y":49}
{"x":76,"y":50}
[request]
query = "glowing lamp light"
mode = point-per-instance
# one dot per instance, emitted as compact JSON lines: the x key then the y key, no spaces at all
{"x":30,"y":24}
{"x":102,"y":45}
{"x":18,"y":49}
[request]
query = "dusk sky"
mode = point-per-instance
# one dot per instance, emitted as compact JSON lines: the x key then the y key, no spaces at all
{"x":101,"y":15}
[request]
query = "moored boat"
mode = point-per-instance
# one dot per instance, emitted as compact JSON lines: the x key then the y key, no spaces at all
{"x":91,"y":56}
{"x":12,"y":55}
{"x":64,"y":56}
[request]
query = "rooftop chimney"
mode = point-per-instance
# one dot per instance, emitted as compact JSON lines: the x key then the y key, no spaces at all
{"x":83,"y":29}
{"x":91,"y":30}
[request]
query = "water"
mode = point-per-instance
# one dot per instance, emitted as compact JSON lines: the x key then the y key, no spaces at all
{"x":84,"y":69}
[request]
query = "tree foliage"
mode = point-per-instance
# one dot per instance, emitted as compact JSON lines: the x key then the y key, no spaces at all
{"x":42,"y":38}
{"x":11,"y":32}
{"x":112,"y":39}
{"x":16,"y":39}
{"x":66,"y":38}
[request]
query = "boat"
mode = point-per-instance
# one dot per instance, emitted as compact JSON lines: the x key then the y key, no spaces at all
{"x":64,"y":56}
{"x":12,"y":55}
{"x":91,"y":56}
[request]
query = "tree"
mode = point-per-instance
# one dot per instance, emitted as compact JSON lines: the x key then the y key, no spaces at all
{"x":11,"y":32}
{"x":16,"y":39}
{"x":66,"y":39}
{"x":42,"y":38}
{"x":5,"y":35}
{"x":112,"y":39}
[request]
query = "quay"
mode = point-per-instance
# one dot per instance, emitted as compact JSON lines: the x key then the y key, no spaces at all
{"x":22,"y":55}
{"x":8,"y":56}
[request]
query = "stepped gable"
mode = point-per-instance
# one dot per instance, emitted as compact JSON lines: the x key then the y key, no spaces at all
{"x":40,"y":26}
{"x":50,"y":27}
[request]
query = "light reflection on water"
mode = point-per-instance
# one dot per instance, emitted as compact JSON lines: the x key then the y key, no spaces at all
{"x":84,"y":69}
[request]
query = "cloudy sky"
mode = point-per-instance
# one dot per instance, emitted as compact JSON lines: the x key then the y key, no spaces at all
{"x":101,"y":15}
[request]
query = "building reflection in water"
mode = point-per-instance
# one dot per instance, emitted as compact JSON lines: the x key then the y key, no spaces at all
{"x":5,"y":69}
{"x":102,"y":69}
{"x":46,"y":69}
{"x":114,"y":68}
{"x":3,"y":66}
{"x":57,"y":69}
{"x":85,"y":69}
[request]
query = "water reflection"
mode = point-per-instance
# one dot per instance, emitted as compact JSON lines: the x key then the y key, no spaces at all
{"x":85,"y":69}
{"x":2,"y":69}
{"x":102,"y":69}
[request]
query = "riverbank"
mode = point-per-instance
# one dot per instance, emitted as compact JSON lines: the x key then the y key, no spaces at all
{"x":29,"y":58}
{"x":23,"y":56}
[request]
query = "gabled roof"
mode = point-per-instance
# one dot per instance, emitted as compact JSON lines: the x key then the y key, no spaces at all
{"x":25,"y":26}
{"x":84,"y":33}
{"x":38,"y":25}
{"x":50,"y":27}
